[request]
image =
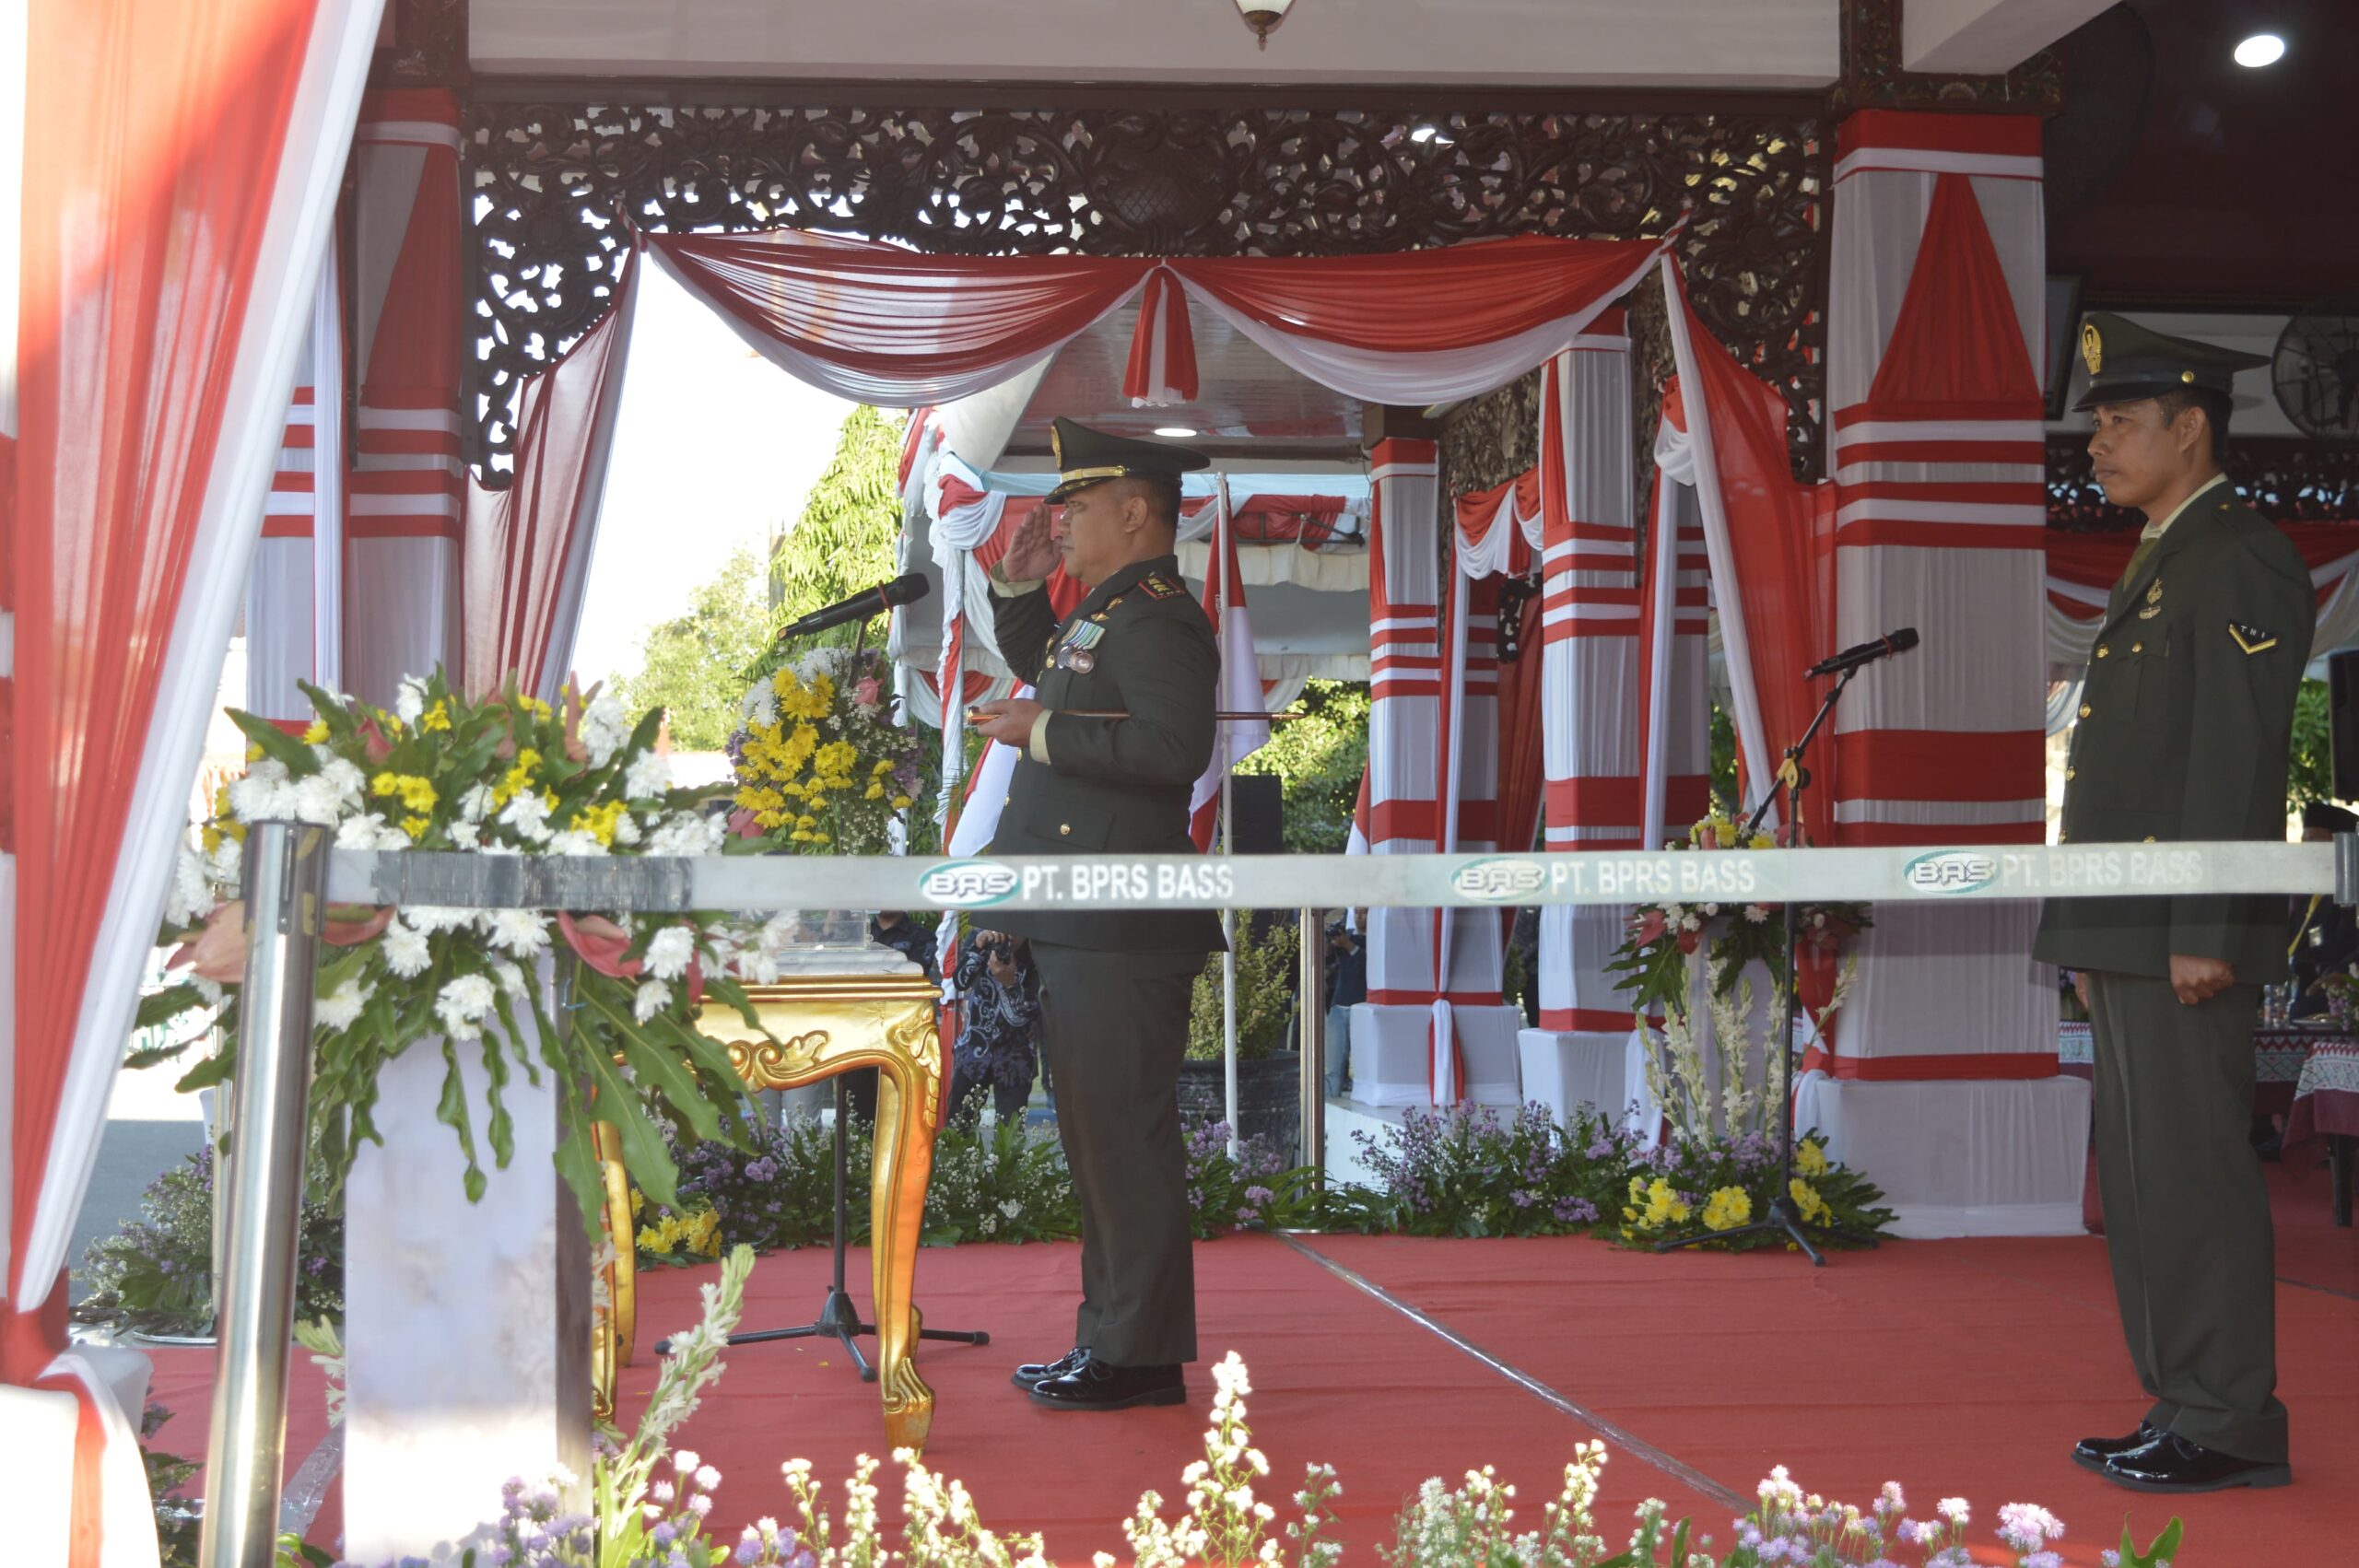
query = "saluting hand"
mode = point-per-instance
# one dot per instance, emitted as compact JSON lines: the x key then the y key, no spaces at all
{"x":1032,"y":554}
{"x":2200,"y":979}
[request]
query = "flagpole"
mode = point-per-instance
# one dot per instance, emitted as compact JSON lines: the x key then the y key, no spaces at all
{"x":1227,"y":846}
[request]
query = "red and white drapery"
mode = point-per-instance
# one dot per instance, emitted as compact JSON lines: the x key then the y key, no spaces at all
{"x":879,"y":324}
{"x":1674,"y":626}
{"x":406,"y":613}
{"x":528,"y":545}
{"x":179,"y":170}
{"x":1241,"y":690}
{"x":2082,"y":568}
{"x":295,"y":596}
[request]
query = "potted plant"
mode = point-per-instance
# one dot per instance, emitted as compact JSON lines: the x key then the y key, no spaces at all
{"x":1269,"y":1059}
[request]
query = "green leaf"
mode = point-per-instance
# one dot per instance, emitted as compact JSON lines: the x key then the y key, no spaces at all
{"x":333,"y":714}
{"x":453,"y":1113}
{"x":211,"y":1071}
{"x":276,"y":742}
{"x":644,"y":1155}
{"x":655,"y":1067}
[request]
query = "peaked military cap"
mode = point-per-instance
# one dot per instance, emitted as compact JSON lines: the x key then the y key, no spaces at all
{"x":2127,"y":362}
{"x":1086,"y":457}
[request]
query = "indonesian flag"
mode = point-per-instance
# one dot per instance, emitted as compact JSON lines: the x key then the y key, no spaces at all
{"x":986,"y":796}
{"x":1357,"y":844}
{"x":1240,"y":677}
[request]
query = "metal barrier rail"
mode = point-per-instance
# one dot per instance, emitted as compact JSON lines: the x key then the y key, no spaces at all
{"x":1929,"y":874}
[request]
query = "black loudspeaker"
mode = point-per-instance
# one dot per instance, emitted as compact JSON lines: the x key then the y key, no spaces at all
{"x":2342,"y":721}
{"x":1257,"y":814}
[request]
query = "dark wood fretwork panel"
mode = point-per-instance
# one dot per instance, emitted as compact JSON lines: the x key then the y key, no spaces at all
{"x":1873,"y":77}
{"x":2286,"y":480}
{"x":1489,"y":440}
{"x":427,"y":45}
{"x":1151,"y":179}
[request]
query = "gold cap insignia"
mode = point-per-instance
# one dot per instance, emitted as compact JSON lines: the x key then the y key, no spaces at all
{"x":2091,"y":348}
{"x":1057,"y":446}
{"x":2186,"y":376}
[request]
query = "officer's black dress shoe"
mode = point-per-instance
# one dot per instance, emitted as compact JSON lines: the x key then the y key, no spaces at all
{"x":1037,"y":1371}
{"x":1100,"y":1386}
{"x":2170,"y":1463}
{"x":2091,"y":1453}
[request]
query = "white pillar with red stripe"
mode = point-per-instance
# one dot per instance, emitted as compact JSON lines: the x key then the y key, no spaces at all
{"x":294,"y":589}
{"x":1590,"y":717}
{"x":1943,"y":1080}
{"x":408,"y":485}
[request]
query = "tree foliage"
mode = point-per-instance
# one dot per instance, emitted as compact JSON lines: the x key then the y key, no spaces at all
{"x":1319,"y":756}
{"x":844,"y":540}
{"x":2310,"y":776}
{"x":695,"y":664}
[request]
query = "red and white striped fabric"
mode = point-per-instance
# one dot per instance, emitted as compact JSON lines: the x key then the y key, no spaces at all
{"x":1934,"y":350}
{"x":1590,"y":671}
{"x":2083,"y":568}
{"x":408,"y":487}
{"x":1675,"y":627}
{"x":1404,"y":697}
{"x":1240,"y":678}
{"x":295,"y":591}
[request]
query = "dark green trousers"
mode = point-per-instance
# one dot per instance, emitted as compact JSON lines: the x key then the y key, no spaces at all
{"x":1113,"y":1029}
{"x":2186,"y":1209}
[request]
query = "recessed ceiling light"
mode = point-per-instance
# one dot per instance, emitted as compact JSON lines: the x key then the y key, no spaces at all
{"x":1174,"y":432}
{"x":2261,"y":49}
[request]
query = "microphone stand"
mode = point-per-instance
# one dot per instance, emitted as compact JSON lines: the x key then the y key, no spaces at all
{"x":838,"y":1317}
{"x":1785,"y":1216}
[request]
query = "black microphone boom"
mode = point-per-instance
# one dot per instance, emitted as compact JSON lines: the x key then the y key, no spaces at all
{"x":1900,"y":642}
{"x":906,"y":588}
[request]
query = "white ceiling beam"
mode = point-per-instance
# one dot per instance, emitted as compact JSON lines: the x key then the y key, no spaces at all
{"x":1985,"y":38}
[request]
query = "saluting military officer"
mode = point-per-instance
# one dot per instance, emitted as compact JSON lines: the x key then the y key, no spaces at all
{"x":2185,"y":717}
{"x":1115,"y":985}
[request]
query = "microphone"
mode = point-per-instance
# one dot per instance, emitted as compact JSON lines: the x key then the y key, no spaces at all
{"x":1851,"y":658}
{"x":906,"y":588}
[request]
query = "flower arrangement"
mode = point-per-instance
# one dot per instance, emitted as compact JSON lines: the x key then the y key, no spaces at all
{"x":1473,"y":1173}
{"x":154,"y":1274}
{"x":822,"y":763}
{"x":1265,"y":979}
{"x":646,"y":1512}
{"x":1252,"y":1190}
{"x":1662,"y":939}
{"x":504,"y":774}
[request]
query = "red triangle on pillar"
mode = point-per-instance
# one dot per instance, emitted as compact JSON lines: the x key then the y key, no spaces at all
{"x":1957,"y":348}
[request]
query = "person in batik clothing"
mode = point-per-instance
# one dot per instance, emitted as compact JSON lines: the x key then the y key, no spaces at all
{"x":999,"y":1047}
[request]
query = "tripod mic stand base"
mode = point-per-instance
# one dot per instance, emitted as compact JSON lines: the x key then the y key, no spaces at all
{"x":1786,"y":1220}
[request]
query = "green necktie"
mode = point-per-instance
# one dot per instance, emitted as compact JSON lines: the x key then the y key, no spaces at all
{"x":2138,"y":559}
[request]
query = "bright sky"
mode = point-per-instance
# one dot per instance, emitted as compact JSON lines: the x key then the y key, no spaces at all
{"x":715,"y":445}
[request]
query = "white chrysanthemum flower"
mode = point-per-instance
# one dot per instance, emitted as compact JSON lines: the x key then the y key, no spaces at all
{"x":209,"y":989}
{"x":463,"y":1005}
{"x":685,"y":833}
{"x":650,"y":775}
{"x":407,"y":952}
{"x":761,"y":705}
{"x":341,"y":1007}
{"x":264,"y":793}
{"x":464,"y":834}
{"x":409,"y":701}
{"x":223,"y":864}
{"x":512,"y":979}
{"x":348,"y":780}
{"x":627,"y":829}
{"x":653,"y":997}
{"x":576,"y":841}
{"x":668,"y":952}
{"x":370,"y":831}
{"x":529,"y":816}
{"x":439,"y":917}
{"x":604,"y":727}
{"x":476,"y":804}
{"x":190,"y":897}
{"x":317,"y":800}
{"x":523,"y":932}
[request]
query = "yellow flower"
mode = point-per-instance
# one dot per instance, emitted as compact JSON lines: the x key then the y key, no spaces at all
{"x":436,"y":716}
{"x":900,"y":803}
{"x":874,"y":792}
{"x":1810,"y":1157}
{"x":798,"y":836}
{"x":806,"y":822}
{"x":1807,"y":1199}
{"x":1727,"y":1209}
{"x":1761,"y":841}
{"x":638,"y":1202}
{"x":883,"y":767}
{"x":1663,"y":1203}
{"x":416,"y":827}
{"x":649,"y":1239}
{"x":414,"y":792}
{"x":600,"y":822}
{"x":253,"y":752}
{"x":316,"y":734}
{"x":517,"y":777}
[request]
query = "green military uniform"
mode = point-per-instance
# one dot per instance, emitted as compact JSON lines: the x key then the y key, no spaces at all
{"x":2187,"y":707}
{"x":1116,"y":984}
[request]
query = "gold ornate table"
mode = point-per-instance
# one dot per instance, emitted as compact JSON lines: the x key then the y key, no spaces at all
{"x":829,"y":1024}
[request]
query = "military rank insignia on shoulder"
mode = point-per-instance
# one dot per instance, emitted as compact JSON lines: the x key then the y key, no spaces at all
{"x":2252,"y":639}
{"x":1157,"y":586}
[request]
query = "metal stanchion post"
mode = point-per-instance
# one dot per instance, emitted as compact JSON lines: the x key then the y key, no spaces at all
{"x":1309,"y":985}
{"x":286,"y":869}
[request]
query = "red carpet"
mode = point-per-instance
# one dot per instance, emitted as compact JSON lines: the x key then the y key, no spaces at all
{"x":1954,"y":1368}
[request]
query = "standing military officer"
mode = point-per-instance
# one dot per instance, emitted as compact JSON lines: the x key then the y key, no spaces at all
{"x":1115,"y":985}
{"x":2187,"y":710}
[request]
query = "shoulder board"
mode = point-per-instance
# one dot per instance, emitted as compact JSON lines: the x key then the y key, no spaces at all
{"x":1157,"y":586}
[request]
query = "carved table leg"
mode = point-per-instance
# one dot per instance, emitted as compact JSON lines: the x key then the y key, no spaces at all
{"x":908,"y":1109}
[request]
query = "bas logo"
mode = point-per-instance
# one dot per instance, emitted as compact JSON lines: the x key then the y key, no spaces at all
{"x":1497,"y":882}
{"x":966,"y":885}
{"x":1951,"y":871}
